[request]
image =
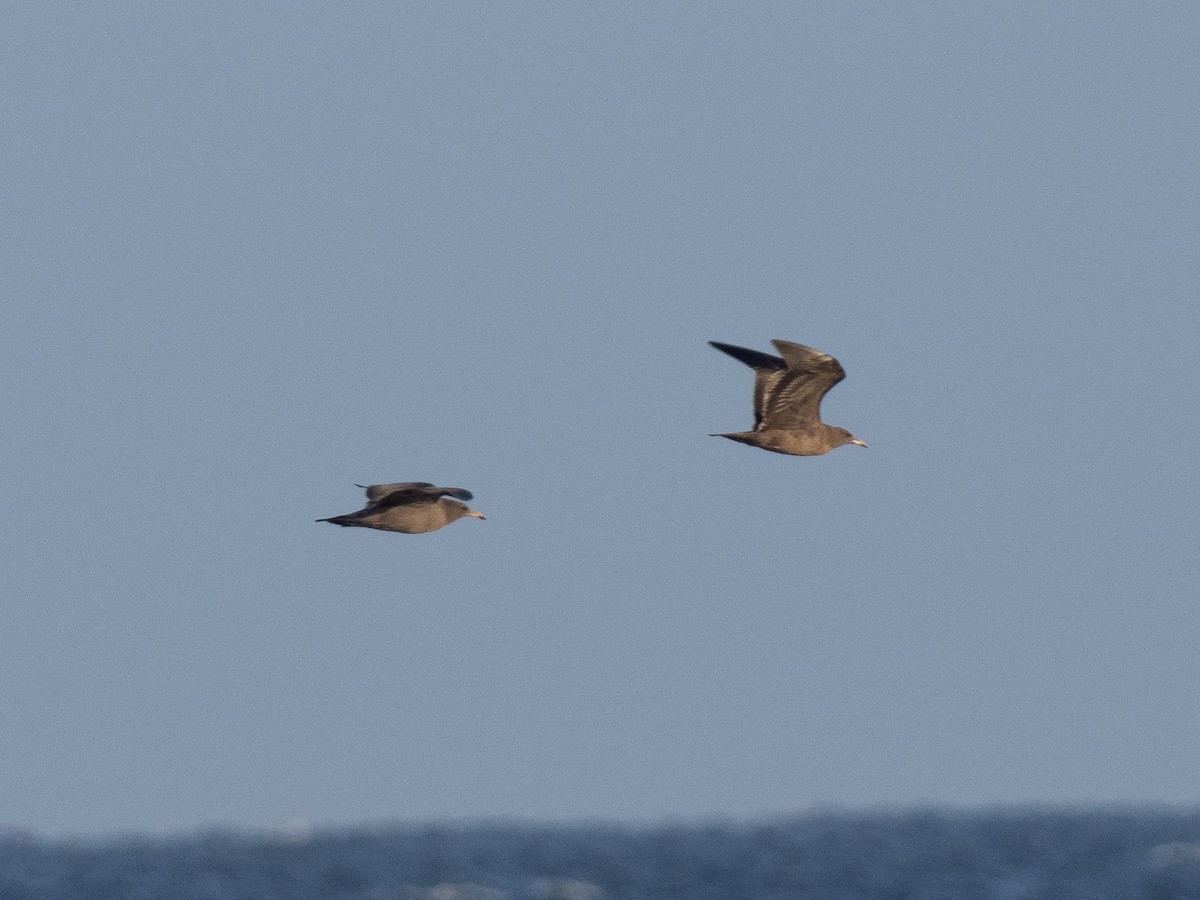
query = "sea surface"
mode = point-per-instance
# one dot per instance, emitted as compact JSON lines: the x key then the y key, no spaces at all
{"x":928,"y":854}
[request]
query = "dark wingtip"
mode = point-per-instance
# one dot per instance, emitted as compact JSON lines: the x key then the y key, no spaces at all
{"x":753,"y":358}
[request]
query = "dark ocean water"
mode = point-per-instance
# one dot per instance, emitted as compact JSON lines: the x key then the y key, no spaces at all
{"x":909,"y":855}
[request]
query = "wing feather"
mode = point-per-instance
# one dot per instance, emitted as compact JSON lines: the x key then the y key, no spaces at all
{"x":402,"y":492}
{"x":794,"y":401}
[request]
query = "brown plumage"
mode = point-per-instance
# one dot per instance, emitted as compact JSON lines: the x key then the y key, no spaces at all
{"x":412,"y":507}
{"x":787,"y":400}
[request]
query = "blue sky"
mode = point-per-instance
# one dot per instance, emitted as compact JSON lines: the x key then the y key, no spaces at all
{"x":257,"y":253}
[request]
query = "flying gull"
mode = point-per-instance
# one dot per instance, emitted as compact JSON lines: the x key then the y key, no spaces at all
{"x":787,"y":399}
{"x":412,"y":507}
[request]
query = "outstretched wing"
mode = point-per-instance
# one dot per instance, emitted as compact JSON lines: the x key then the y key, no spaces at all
{"x":794,"y":400}
{"x":401,"y":492}
{"x":375,"y":492}
{"x":768,"y":371}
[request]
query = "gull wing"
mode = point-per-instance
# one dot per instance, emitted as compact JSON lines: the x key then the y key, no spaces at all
{"x":401,"y":492}
{"x":376,"y":492}
{"x":768,"y":371}
{"x":793,"y":400}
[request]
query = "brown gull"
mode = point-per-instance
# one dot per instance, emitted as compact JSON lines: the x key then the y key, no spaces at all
{"x":787,"y":399}
{"x":412,"y":507}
